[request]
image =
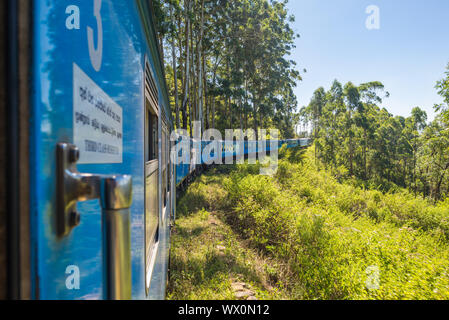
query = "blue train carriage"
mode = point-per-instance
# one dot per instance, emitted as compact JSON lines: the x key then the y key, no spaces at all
{"x":228,"y":150}
{"x":90,"y":186}
{"x":184,"y":164}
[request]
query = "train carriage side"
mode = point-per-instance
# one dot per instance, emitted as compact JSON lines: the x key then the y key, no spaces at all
{"x":99,"y":182}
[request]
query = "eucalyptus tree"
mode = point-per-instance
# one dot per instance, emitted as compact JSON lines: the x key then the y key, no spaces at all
{"x":229,"y":62}
{"x":352,"y":97}
{"x":415,"y":125}
{"x":433,"y":158}
{"x":376,"y":148}
{"x":315,"y":110}
{"x":443,"y":90}
{"x":369,"y":96}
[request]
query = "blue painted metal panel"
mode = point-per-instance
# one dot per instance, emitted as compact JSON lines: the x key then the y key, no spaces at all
{"x":182,"y":169}
{"x":120,"y":76}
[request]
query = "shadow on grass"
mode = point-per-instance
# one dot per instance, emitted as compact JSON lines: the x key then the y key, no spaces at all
{"x":206,"y":266}
{"x":188,"y":234}
{"x":203,"y":271}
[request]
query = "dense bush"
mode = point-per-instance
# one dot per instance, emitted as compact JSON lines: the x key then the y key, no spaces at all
{"x":339,"y":240}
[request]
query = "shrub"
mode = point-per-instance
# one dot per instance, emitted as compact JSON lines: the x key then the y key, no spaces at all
{"x":341,"y":241}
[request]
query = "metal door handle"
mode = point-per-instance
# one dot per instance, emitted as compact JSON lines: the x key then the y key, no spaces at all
{"x":115,"y":195}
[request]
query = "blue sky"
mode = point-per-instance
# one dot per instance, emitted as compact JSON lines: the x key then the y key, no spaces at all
{"x":408,"y":54}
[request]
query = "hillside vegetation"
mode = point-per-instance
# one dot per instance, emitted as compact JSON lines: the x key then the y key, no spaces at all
{"x":357,"y":137}
{"x":316,"y":237}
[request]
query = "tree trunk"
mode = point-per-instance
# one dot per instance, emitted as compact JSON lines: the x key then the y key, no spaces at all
{"x":213,"y":94}
{"x":255,"y":120}
{"x":437,"y":190}
{"x":193,"y":79}
{"x":187,"y":68}
{"x":351,"y":168}
{"x":241,"y":114}
{"x":161,"y":46}
{"x":192,"y":87}
{"x":175,"y":72}
{"x":230,"y":112}
{"x":246,"y":104}
{"x":205,"y":93}
{"x":200,"y":71}
{"x":364,"y":153}
{"x":213,"y":111}
{"x":192,"y":83}
{"x":414,"y":169}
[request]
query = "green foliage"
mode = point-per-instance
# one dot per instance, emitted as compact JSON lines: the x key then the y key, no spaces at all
{"x":228,"y":65}
{"x":443,"y":90}
{"x":202,"y":195}
{"x":331,"y":234}
{"x":364,"y":143}
{"x":198,"y":270}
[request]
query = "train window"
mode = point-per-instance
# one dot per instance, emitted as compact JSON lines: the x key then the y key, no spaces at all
{"x":151,"y":174}
{"x":152,"y":136}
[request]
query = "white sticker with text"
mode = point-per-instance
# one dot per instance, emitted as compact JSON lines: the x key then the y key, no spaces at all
{"x":97,"y":122}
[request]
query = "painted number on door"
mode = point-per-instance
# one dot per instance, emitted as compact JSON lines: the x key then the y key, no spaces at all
{"x":96,"y":51}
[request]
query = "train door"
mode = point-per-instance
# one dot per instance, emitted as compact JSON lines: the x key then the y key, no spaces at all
{"x":86,"y":136}
{"x":152,"y":166}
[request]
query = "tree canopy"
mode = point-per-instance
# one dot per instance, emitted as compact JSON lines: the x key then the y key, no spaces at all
{"x":227,"y":63}
{"x":358,"y":139}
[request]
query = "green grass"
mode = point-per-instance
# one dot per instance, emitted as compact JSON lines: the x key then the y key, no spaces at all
{"x":207,"y":256}
{"x":302,"y":234}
